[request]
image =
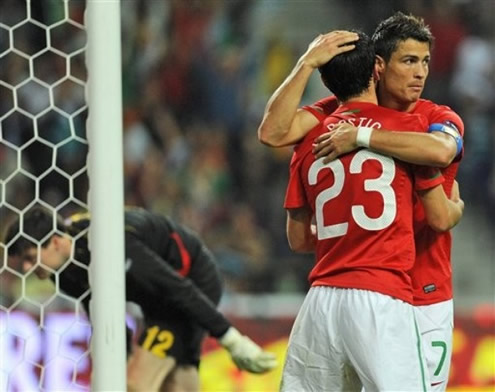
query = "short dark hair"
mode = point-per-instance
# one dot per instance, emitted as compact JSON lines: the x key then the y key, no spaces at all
{"x":398,"y":28}
{"x":348,"y":74}
{"x":37,"y":224}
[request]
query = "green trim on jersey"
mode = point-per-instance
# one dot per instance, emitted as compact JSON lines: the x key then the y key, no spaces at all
{"x":435,"y":174}
{"x":351,"y":111}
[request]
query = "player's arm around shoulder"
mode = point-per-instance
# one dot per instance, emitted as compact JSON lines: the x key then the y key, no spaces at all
{"x":301,"y":233}
{"x":435,"y":148}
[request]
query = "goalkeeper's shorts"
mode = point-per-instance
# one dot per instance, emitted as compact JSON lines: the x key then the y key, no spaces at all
{"x":176,"y":337}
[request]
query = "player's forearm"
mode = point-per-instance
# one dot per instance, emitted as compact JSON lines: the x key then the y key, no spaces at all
{"x":441,"y":213}
{"x":281,"y":110}
{"x":301,"y":233}
{"x":450,"y":217}
{"x":419,"y":148}
{"x":456,"y":209}
{"x":149,"y":276}
{"x":302,"y":242}
{"x":308,"y":245}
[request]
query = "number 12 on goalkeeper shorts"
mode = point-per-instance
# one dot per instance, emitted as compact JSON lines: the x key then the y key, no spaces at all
{"x":158,"y":341}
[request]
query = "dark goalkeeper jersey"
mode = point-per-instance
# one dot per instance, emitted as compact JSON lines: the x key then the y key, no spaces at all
{"x":168,"y":269}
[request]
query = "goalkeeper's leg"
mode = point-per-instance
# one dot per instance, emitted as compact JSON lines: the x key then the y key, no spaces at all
{"x":183,"y":378}
{"x":146,"y":371}
{"x":167,"y":355}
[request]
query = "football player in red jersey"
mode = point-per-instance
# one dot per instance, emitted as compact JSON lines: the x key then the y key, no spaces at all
{"x":361,"y":293}
{"x":402,"y":44}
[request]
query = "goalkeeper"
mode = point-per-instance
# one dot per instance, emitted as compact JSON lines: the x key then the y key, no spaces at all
{"x":170,"y":274}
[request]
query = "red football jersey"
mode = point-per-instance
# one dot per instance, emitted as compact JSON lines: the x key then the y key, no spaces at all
{"x":363,"y":206}
{"x":432,"y":272}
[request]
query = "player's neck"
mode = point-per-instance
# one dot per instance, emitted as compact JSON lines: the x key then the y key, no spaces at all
{"x":391,"y":102}
{"x":368,"y":96}
{"x":399,"y":106}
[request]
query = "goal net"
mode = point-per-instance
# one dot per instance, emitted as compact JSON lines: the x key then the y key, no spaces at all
{"x":44,"y":334}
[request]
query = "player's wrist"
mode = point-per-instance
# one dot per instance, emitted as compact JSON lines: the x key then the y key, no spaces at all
{"x":230,"y":337}
{"x":306,"y":64}
{"x":363,"y":136}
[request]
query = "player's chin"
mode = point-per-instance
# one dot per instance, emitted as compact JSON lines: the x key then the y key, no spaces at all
{"x":414,"y":95}
{"x":410,"y":98}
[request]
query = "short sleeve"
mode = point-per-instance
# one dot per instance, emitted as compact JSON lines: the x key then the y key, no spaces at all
{"x":444,"y":114}
{"x":427,"y":177}
{"x":295,"y":196}
{"x":315,"y":112}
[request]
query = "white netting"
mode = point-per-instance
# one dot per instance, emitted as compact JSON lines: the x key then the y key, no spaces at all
{"x":43,"y":333}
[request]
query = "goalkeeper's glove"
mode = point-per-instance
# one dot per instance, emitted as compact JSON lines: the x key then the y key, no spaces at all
{"x":246,"y":354}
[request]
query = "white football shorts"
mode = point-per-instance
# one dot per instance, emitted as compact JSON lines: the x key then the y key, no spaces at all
{"x":436,"y":324}
{"x":346,"y":339}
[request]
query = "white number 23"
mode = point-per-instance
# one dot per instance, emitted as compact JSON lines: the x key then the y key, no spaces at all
{"x":381,"y":184}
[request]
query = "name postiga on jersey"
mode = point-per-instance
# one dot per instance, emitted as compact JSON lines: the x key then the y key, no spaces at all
{"x":356,"y":121}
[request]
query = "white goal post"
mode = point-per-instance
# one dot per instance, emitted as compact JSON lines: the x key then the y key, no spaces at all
{"x":106,"y":195}
{"x":43,"y":336}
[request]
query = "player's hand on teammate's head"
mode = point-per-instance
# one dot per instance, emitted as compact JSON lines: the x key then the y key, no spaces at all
{"x":246,"y":354}
{"x":326,"y":46}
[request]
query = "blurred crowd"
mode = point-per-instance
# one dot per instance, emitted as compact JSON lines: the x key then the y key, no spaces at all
{"x":196,"y":77}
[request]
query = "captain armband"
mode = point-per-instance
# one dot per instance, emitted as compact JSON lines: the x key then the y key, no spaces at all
{"x":451,"y":130}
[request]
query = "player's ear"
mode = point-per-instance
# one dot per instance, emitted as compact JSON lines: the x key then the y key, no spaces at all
{"x":55,"y":241}
{"x":379,"y":67}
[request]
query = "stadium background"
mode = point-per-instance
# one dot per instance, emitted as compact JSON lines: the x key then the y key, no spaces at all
{"x":196,"y":77}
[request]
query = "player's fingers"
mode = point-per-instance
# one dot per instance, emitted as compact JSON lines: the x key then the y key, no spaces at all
{"x":263,"y":362}
{"x":263,"y":365}
{"x":330,"y":157}
{"x":323,"y":151}
{"x":320,"y":150}
{"x":267,"y":356}
{"x":264,"y":368}
{"x":338,"y":38}
{"x":322,"y":138}
{"x":344,"y":48}
{"x":339,"y":33}
{"x":269,"y":361}
{"x":335,"y":45}
{"x":340,"y":126}
{"x":319,"y":145}
{"x":330,"y":33}
{"x":343,"y":39}
{"x":252,"y":366}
